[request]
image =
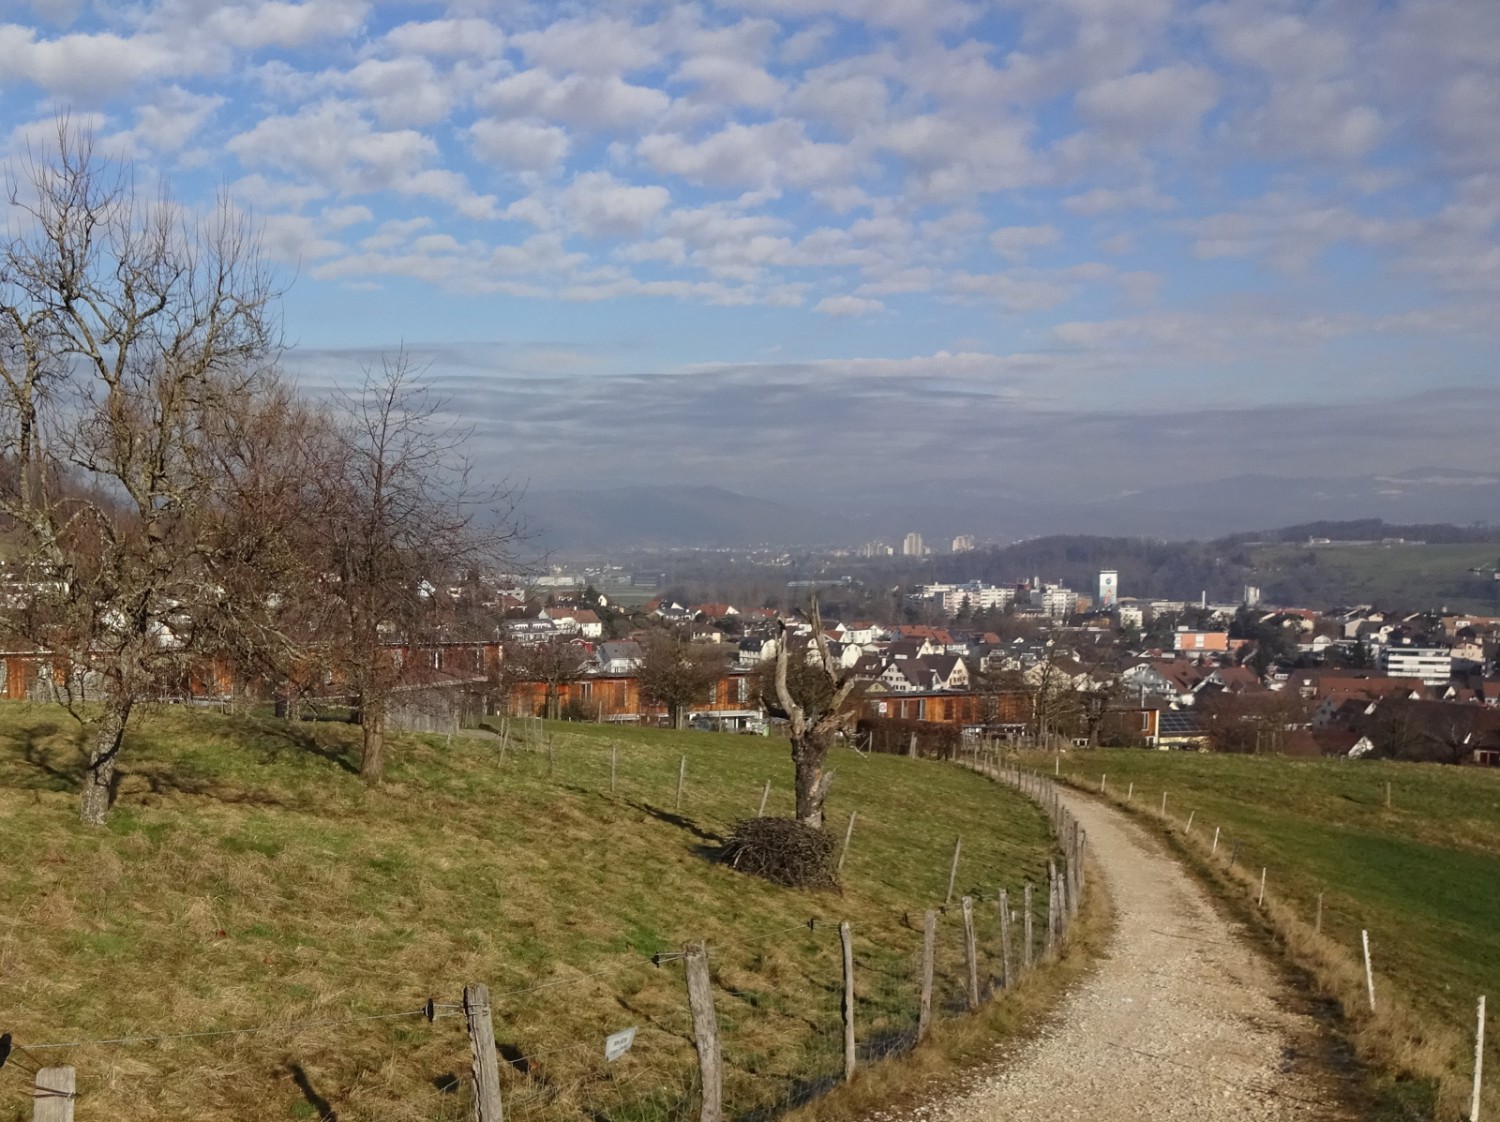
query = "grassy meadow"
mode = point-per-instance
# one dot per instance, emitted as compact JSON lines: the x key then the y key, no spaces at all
{"x":1422,"y":875}
{"x":247,"y":879}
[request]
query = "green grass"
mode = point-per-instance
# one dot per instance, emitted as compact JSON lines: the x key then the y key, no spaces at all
{"x":246,"y":878}
{"x":1422,"y":876}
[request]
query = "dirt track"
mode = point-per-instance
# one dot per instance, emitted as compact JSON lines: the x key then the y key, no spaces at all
{"x":1183,"y":1019}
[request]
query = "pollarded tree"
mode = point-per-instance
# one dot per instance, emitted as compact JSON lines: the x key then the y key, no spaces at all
{"x":678,"y":673}
{"x":130,"y":328}
{"x":813,"y":695}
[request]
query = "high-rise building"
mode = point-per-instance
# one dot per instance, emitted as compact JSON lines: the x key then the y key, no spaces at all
{"x":1109,"y":589}
{"x":963,"y":543}
{"x":911,"y":545}
{"x":1252,"y":596}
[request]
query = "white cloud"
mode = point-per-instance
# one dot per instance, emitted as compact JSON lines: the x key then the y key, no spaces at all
{"x":170,"y":116}
{"x":584,"y":101}
{"x":601,"y":206}
{"x":443,"y":38}
{"x":276,"y":23}
{"x":847,"y":103}
{"x":1150,"y":105}
{"x":89,"y":65}
{"x":1017,"y":242}
{"x":749,"y":155}
{"x":730,"y":81}
{"x":1012,"y":292}
{"x":1102,"y":200}
{"x":847,"y":306}
{"x":597,"y":46}
{"x":521,"y":145}
{"x":402,"y":92}
{"x":332,"y":145}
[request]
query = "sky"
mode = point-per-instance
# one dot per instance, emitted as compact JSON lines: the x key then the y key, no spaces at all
{"x":818,"y":248}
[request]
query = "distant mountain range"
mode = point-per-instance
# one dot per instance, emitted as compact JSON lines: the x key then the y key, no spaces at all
{"x":708,"y":516}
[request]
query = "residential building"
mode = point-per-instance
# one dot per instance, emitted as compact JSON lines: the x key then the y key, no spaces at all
{"x":1200,"y":642}
{"x":963,"y":543}
{"x":1433,"y":665}
{"x":911,"y":545}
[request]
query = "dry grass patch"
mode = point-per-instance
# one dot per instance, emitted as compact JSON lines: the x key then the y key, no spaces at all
{"x":246,"y":878}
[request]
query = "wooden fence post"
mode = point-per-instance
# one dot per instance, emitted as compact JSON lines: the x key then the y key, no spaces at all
{"x":483,"y":1062}
{"x":1318,"y":922}
{"x":55,"y":1087}
{"x":1188,"y":829}
{"x":764,"y":795}
{"x":1005,"y":959}
{"x":1102,"y":778}
{"x":1051,"y":905}
{"x":1026,"y":929}
{"x":1261,"y":899}
{"x":844,"y":852}
{"x":929,"y":952}
{"x":705,"y":1031}
{"x":681,"y":778}
{"x":1478,"y":1064}
{"x":1130,"y":792}
{"x":971,"y":952}
{"x":1364,"y":938}
{"x":1215,"y":848}
{"x":1163,"y":804}
{"x":953,"y":872}
{"x":846,"y":938}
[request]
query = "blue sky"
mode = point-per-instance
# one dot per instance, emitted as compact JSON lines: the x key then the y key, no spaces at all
{"x":783,"y":244}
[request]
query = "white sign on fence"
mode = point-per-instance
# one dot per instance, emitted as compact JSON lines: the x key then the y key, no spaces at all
{"x":618,"y":1043}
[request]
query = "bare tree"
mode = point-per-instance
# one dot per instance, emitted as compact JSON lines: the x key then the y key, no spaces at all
{"x":813,"y":699}
{"x":401,"y":514}
{"x":129,"y":327}
{"x":677,"y":672}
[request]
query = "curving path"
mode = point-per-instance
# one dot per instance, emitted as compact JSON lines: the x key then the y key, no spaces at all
{"x":1182,"y":1020}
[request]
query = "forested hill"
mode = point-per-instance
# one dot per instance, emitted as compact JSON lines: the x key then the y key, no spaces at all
{"x":1369,"y":530}
{"x":1370,"y":568}
{"x":1146,"y":567}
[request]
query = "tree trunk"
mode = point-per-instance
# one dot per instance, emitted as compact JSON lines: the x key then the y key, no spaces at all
{"x":372,"y":763}
{"x":811,"y":781}
{"x":94,"y":803}
{"x":679,"y":717}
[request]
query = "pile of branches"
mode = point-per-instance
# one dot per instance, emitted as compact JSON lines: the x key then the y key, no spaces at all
{"x":782,"y":850}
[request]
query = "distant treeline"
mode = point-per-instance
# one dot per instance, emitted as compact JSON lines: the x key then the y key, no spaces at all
{"x":1372,"y":529}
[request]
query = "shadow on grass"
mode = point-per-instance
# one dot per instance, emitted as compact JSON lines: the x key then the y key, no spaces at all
{"x":325,"y":1110}
{"x":168,"y":782}
{"x":682,"y":822}
{"x":39,"y":759}
{"x":299,"y":739}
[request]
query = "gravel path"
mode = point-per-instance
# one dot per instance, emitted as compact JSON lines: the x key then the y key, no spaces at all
{"x":1181,"y":1021}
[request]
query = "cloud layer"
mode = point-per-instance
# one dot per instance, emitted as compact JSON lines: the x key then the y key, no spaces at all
{"x":1067,"y":207}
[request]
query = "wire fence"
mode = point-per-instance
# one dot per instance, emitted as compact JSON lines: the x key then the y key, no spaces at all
{"x":1319,"y":933}
{"x":779,"y":999}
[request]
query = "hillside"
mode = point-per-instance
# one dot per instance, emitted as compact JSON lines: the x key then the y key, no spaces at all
{"x":1430,"y":569}
{"x":248,"y":880}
